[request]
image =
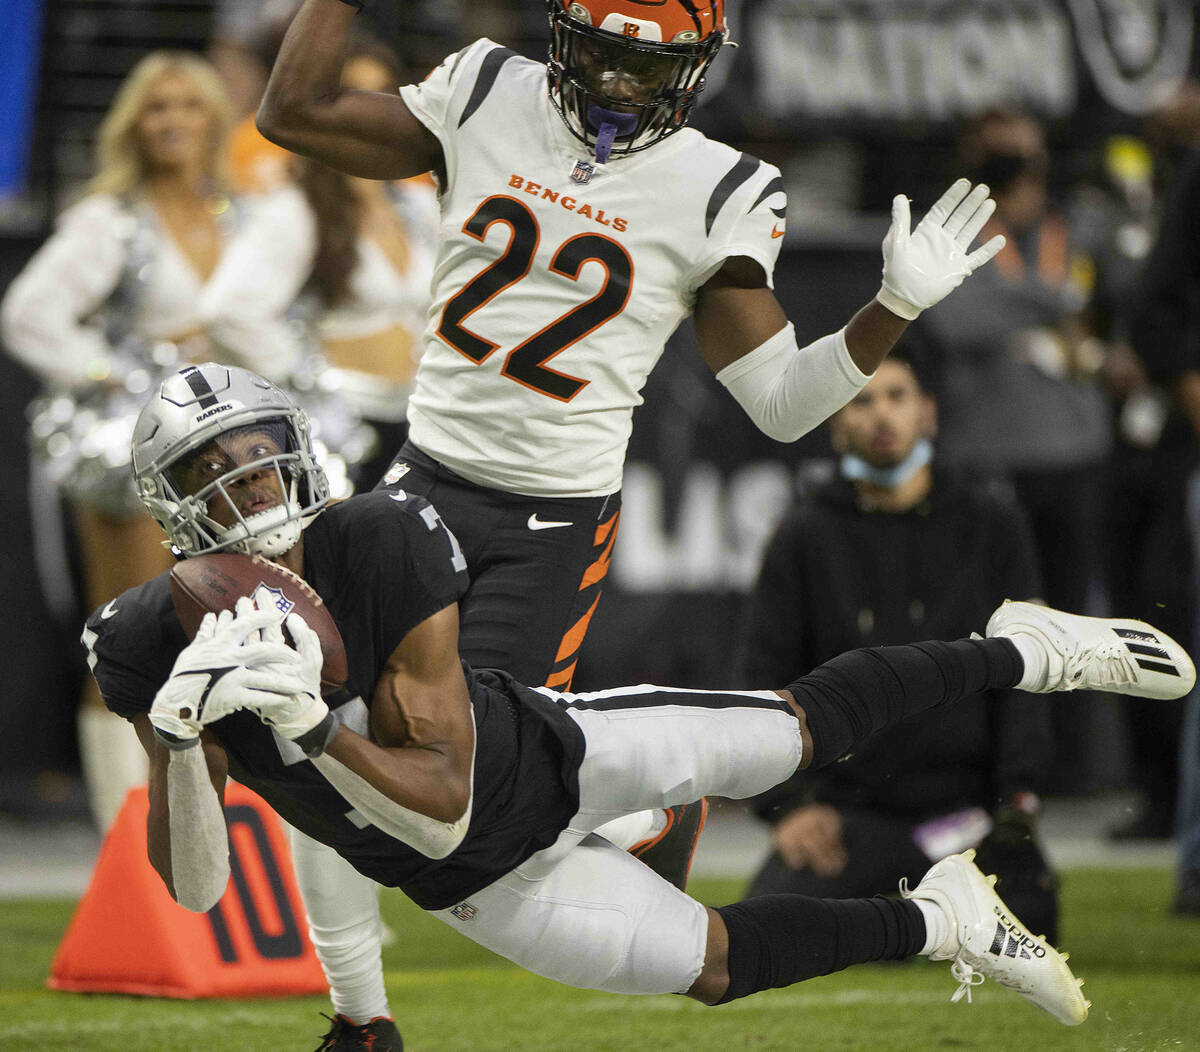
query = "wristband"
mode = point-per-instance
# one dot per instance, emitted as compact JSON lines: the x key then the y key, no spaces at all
{"x":314,"y":742}
{"x":172,"y":742}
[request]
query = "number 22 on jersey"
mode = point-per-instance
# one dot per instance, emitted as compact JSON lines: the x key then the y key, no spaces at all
{"x":526,"y":363}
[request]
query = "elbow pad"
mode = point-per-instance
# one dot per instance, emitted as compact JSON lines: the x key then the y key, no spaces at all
{"x":788,"y":390}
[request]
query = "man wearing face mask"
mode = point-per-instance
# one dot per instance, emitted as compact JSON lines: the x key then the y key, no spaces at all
{"x":889,"y":547}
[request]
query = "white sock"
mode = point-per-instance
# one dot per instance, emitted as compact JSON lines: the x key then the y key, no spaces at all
{"x":112,"y":759}
{"x":937,"y":926}
{"x":1033,"y":654}
{"x":345,"y":928}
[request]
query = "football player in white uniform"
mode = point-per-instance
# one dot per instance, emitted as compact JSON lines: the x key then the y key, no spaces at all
{"x":582,"y":220}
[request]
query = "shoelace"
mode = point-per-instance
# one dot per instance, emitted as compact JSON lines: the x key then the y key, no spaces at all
{"x":1115,"y":666}
{"x":966,"y":976}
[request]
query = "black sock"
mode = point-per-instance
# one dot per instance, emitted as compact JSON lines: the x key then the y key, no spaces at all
{"x":777,"y":940}
{"x":861,"y":691}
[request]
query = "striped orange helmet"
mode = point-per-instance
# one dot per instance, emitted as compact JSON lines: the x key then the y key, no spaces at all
{"x":625,"y":73}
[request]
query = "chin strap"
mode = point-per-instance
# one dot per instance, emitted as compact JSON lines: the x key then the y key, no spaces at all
{"x":609,"y":124}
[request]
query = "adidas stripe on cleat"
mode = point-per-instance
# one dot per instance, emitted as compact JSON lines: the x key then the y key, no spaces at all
{"x":987,"y":941}
{"x":1099,"y":653}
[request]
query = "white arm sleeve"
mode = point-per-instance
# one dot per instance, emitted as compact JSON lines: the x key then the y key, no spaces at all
{"x":788,"y":390}
{"x":427,"y":835}
{"x":199,"y":840}
{"x":73,"y":273}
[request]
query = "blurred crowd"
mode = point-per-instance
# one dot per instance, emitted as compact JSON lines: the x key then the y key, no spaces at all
{"x":1052,"y":405}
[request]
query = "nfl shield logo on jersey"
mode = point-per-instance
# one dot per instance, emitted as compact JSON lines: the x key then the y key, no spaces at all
{"x":583,"y":171}
{"x":266,"y":598}
{"x":464,"y":911}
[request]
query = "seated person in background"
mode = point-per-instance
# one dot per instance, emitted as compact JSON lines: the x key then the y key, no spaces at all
{"x":889,"y":549}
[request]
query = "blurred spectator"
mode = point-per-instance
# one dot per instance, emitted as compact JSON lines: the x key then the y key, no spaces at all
{"x":340,"y":266}
{"x":246,"y":40}
{"x":246,"y":36}
{"x":1020,"y":396}
{"x":107,"y":303}
{"x":1144,"y":534}
{"x":1166,"y":334}
{"x":891,"y":548}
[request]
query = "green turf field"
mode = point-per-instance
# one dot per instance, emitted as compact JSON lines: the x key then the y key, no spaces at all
{"x":1142,"y":969}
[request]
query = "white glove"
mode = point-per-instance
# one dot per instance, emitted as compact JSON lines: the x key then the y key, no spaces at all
{"x":922,"y":268}
{"x":300,"y":714}
{"x":225,"y":667}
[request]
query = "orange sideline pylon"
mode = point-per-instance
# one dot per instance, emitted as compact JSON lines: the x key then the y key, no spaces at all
{"x":129,"y":936}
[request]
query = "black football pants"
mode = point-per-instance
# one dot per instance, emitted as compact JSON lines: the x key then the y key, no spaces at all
{"x":537,"y":567}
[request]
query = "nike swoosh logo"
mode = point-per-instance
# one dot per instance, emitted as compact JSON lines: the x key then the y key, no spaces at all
{"x":108,"y":611}
{"x":776,"y":232}
{"x":213,"y":675}
{"x":535,"y":523}
{"x":399,"y":496}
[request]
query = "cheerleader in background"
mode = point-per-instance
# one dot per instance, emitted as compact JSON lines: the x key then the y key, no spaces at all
{"x":340,"y":266}
{"x":103,"y":306}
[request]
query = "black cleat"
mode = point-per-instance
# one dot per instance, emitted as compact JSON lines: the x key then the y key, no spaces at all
{"x":378,"y":1035}
{"x":670,"y":853}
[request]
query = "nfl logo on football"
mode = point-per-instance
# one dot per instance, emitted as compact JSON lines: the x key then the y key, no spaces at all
{"x":266,"y":597}
{"x":464,"y":911}
{"x":583,"y":171}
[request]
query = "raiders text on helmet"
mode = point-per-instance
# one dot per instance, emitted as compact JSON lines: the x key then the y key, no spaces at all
{"x":197,"y":409}
{"x":625,"y":73}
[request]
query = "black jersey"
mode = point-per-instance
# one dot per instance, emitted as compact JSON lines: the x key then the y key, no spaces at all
{"x":383,"y":562}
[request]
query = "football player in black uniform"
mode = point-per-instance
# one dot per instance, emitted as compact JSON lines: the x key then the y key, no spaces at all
{"x":582,"y":219}
{"x":478,"y":796}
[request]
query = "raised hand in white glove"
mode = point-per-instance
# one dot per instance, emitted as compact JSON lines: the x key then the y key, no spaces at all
{"x":922,"y":267}
{"x":300,"y":715}
{"x":225,"y":667}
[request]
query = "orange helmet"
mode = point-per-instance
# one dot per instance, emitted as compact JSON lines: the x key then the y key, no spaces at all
{"x":625,"y":73}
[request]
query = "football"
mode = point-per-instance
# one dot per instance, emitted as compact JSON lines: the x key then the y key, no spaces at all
{"x":212,"y":583}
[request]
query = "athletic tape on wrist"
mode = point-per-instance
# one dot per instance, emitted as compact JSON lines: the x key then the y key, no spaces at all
{"x":314,"y":742}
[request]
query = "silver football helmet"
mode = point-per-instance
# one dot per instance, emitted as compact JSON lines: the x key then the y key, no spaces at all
{"x":209,"y":433}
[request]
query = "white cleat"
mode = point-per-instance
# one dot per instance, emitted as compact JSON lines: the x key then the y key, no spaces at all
{"x":986,"y":940}
{"x":1099,"y":653}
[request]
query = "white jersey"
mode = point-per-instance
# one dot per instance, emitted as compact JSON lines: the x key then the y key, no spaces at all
{"x":558,"y":280}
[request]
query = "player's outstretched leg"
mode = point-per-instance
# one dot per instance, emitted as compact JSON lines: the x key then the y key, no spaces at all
{"x":1029,"y":647}
{"x":953,"y":914}
{"x":1064,"y":651}
{"x":983,"y":938}
{"x":344,"y":925}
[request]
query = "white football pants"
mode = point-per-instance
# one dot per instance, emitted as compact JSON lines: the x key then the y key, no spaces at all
{"x":585,"y":913}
